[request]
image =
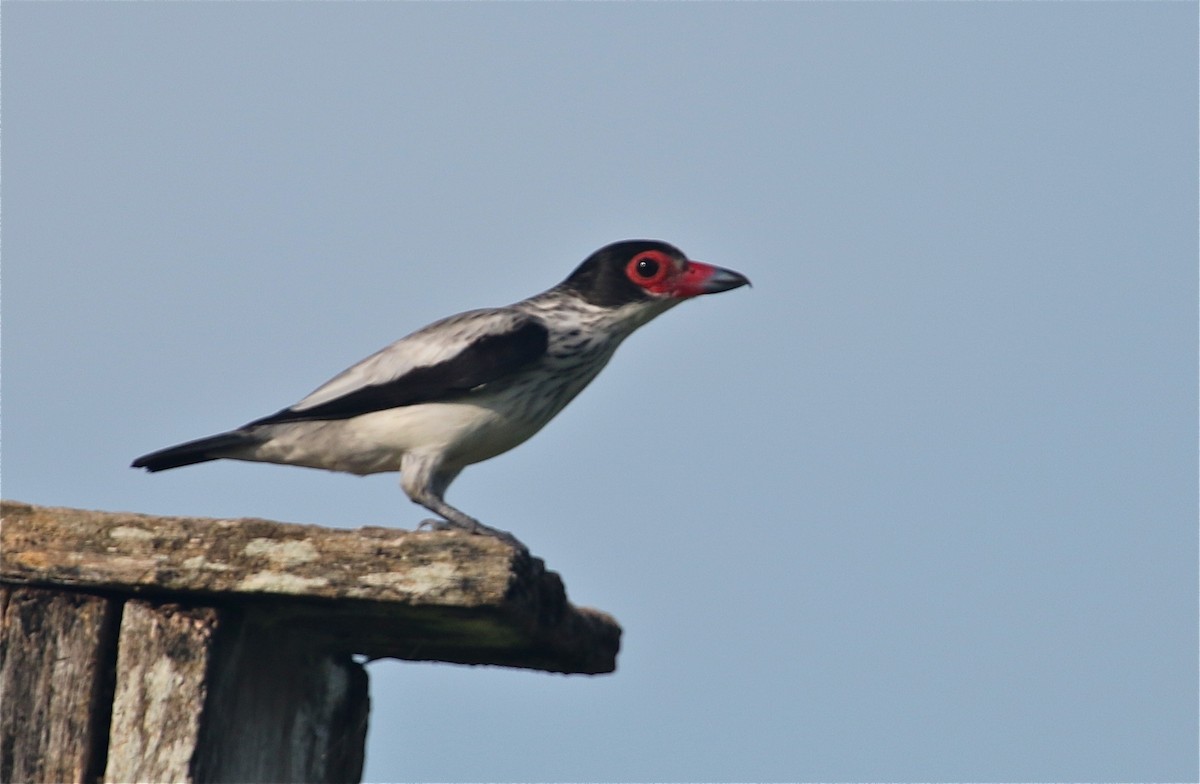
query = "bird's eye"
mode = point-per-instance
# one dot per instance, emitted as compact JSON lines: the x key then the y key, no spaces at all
{"x":648,"y":269}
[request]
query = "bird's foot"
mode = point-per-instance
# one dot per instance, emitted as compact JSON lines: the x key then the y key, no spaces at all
{"x":475,"y":527}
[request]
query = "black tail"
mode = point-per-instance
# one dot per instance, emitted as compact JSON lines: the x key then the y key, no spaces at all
{"x":199,"y":451}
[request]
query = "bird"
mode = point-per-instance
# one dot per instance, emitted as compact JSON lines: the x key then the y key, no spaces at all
{"x":468,"y":387}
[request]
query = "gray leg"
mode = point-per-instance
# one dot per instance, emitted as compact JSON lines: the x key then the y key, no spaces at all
{"x":425,"y":484}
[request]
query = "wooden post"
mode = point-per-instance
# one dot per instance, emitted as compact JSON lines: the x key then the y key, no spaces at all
{"x":142,"y":648}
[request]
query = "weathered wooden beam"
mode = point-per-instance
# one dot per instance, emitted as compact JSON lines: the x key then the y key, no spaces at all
{"x":141,"y":648}
{"x":380,"y":592}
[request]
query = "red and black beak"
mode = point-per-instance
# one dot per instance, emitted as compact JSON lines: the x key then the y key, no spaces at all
{"x":700,"y":278}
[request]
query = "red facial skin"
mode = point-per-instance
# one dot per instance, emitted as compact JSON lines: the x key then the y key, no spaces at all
{"x":690,"y":282}
{"x":662,"y":275}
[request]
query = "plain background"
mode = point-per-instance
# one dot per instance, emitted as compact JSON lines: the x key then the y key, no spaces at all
{"x":921,"y":505}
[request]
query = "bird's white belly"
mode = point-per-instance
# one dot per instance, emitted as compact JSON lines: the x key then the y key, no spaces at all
{"x":463,"y":433}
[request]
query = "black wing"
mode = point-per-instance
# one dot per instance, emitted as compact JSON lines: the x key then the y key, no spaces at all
{"x":486,"y":359}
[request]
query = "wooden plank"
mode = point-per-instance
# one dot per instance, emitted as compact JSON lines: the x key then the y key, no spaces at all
{"x":56,"y":656}
{"x":161,"y":685}
{"x":382,"y":592}
{"x":282,"y":709}
{"x":207,"y":695}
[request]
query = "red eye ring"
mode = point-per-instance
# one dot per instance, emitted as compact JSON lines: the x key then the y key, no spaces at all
{"x":649,"y":268}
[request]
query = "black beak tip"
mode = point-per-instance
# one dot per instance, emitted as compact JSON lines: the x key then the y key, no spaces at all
{"x":725,"y":280}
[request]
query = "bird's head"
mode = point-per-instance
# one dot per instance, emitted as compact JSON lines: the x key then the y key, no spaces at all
{"x":647,"y":271}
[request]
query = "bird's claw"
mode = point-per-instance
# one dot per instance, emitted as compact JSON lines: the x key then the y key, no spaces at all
{"x":478,"y":528}
{"x":437,"y":525}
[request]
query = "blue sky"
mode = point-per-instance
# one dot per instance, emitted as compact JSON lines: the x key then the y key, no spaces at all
{"x":921,"y":505}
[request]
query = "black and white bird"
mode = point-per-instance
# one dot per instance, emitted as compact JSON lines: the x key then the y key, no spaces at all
{"x":468,"y":387}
